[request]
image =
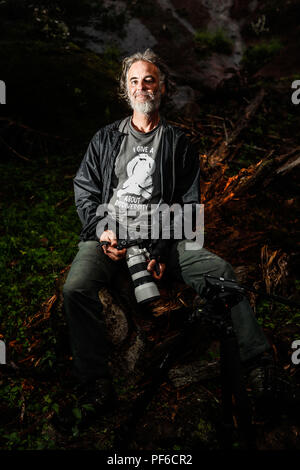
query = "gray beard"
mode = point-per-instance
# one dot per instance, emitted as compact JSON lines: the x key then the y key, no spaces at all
{"x":146,"y":107}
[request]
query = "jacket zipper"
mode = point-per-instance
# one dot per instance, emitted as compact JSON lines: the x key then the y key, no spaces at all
{"x":114,"y":156}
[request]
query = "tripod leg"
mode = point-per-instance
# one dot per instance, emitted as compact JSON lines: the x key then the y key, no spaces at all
{"x":233,"y":387}
{"x":227,"y":406}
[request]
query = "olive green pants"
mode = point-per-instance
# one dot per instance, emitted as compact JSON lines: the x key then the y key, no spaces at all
{"x":92,"y":269}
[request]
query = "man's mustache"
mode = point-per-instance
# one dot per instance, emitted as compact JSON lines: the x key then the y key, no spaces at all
{"x":144,"y":93}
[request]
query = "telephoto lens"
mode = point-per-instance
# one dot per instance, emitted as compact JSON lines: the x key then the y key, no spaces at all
{"x":145,"y":289}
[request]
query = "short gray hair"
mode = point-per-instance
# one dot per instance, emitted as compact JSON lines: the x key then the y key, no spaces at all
{"x":147,"y":56}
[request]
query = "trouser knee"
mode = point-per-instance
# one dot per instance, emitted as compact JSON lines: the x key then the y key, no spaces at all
{"x":81,"y":302}
{"x":84,"y":313}
{"x":226,"y":270}
{"x":73,"y":291}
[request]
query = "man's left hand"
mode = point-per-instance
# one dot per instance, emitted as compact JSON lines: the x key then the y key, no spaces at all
{"x":152,"y":270}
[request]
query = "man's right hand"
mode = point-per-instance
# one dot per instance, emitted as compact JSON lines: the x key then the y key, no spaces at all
{"x":111,"y":249}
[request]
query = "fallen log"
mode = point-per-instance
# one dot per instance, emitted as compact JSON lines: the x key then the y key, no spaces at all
{"x":288,"y":166}
{"x":265,"y":171}
{"x":248,"y":179}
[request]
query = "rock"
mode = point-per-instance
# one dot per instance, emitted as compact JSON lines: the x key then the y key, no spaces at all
{"x":184,"y":100}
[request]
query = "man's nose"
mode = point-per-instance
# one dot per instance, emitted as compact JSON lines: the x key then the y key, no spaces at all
{"x":141,"y":85}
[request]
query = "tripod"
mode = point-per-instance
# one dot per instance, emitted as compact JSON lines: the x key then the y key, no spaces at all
{"x":222,"y":295}
{"x":235,"y":400}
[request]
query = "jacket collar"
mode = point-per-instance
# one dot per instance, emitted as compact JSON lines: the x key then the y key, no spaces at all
{"x":114,"y":127}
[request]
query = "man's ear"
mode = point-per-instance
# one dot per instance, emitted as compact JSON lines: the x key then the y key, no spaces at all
{"x":163,"y":89}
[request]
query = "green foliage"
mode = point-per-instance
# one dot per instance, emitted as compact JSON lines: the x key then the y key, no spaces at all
{"x":205,"y":434}
{"x":34,"y":20}
{"x":16,"y":9}
{"x":276,"y":316}
{"x":50,"y":26}
{"x":73,"y":82}
{"x":38,"y":238}
{"x":208,"y":42}
{"x":258,"y":55}
{"x":66,"y":70}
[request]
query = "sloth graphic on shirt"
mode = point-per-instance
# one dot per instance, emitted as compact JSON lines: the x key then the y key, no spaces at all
{"x":136,"y":176}
{"x":139,"y":181}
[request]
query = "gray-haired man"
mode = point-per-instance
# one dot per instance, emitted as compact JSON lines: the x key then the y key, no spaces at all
{"x":137,"y":162}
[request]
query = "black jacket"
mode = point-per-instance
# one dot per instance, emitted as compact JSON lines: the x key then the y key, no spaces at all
{"x":180,"y":173}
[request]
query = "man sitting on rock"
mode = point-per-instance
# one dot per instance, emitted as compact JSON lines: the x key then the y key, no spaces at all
{"x":131,"y":165}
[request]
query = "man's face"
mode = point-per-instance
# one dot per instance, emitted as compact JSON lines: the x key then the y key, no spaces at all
{"x":144,"y":89}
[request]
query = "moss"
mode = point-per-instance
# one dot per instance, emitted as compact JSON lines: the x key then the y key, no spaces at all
{"x":258,"y":55}
{"x":208,"y":42}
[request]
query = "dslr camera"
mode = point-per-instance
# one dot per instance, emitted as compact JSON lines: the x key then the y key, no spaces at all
{"x":145,"y":289}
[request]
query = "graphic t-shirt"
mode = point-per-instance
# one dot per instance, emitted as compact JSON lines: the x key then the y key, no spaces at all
{"x":136,"y":177}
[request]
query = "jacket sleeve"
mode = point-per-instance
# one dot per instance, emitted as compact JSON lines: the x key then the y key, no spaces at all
{"x":187,"y":187}
{"x":187,"y":171}
{"x":189,"y":191}
{"x":88,"y":190}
